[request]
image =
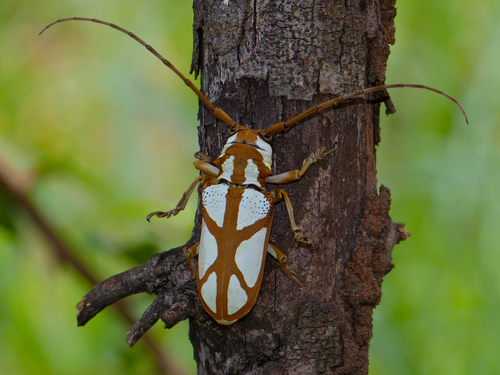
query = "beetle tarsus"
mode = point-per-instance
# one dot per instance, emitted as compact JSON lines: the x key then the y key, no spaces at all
{"x":190,"y":254}
{"x":299,"y":236}
{"x":322,"y":153}
{"x":200,"y":155}
{"x":291,"y":274}
{"x":162,"y":214}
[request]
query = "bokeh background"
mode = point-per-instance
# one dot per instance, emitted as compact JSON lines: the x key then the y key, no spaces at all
{"x":99,"y":133}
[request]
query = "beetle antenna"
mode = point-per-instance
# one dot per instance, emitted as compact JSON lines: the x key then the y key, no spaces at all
{"x":284,"y":126}
{"x":217,"y":112}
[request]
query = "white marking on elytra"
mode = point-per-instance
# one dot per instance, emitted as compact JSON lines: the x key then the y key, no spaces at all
{"x":249,"y":256}
{"x":253,"y":207}
{"x":252,"y":173}
{"x":209,"y":292}
{"x":227,"y":169}
{"x":207,"y":251}
{"x":226,"y":2}
{"x":236,"y":296}
{"x":271,"y":251}
{"x":214,"y":201}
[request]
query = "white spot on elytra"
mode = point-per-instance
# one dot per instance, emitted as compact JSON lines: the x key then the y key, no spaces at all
{"x":253,"y":207}
{"x":236,"y":296}
{"x":214,"y":201}
{"x":207,"y":251}
{"x":209,"y":292}
{"x":249,"y":256}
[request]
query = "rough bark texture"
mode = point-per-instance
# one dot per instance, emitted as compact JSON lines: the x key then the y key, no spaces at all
{"x":266,"y":61}
{"x":263,"y":62}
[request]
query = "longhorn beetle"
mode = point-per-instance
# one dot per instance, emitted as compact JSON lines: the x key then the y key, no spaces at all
{"x":237,"y":210}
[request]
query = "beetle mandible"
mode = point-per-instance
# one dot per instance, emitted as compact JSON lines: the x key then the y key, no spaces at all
{"x":237,"y":210}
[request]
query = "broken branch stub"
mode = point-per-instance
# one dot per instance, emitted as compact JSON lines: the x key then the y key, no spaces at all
{"x":165,"y":274}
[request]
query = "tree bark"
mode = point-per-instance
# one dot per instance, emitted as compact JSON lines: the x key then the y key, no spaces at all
{"x":264,"y":62}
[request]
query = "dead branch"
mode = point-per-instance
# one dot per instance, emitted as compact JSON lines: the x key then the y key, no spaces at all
{"x":165,"y":274}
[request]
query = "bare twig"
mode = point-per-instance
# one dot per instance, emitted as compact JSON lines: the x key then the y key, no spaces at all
{"x":10,"y":183}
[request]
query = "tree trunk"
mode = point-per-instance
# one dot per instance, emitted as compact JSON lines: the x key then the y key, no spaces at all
{"x":264,"y":62}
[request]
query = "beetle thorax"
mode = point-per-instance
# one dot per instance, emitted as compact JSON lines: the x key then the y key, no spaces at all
{"x":246,"y":159}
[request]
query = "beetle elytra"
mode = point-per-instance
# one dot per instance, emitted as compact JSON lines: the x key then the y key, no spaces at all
{"x":237,"y":210}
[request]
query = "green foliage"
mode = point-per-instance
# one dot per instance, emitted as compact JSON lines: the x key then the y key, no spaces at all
{"x":439,"y":311}
{"x":106,"y":135}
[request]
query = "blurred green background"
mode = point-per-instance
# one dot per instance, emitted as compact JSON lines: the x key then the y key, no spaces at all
{"x":101,"y":133}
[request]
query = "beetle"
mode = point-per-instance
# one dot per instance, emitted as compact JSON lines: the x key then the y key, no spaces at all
{"x":237,"y":210}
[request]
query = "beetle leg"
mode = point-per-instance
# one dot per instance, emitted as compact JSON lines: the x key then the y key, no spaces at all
{"x":283,"y":263}
{"x":296,"y":174}
{"x":190,"y":254}
{"x":181,"y":205}
{"x":207,"y":167}
{"x":280,"y":194}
